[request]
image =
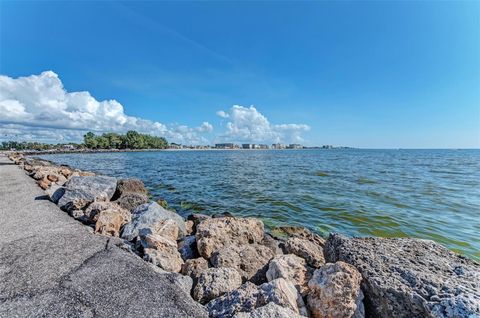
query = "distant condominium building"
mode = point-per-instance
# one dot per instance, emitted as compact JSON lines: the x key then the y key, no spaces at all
{"x":248,"y":146}
{"x":227,"y":145}
{"x":262,"y":146}
{"x":278,"y":146}
{"x":294,"y":146}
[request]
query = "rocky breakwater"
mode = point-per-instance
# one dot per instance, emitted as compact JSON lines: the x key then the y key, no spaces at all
{"x":235,"y":269}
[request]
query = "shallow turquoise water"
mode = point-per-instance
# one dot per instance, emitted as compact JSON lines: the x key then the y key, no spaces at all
{"x":432,"y":194}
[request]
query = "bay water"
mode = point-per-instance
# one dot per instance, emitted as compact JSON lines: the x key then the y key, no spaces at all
{"x":429,"y":194}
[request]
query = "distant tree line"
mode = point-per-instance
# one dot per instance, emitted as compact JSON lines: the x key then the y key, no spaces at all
{"x":131,"y":140}
{"x":24,"y":145}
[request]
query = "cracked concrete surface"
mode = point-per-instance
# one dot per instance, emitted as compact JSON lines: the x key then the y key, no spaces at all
{"x":53,"y":266}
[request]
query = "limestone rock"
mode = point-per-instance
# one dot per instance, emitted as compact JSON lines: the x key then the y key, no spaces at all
{"x":92,"y":211}
{"x":167,"y":228}
{"x":214,"y":233}
{"x":215,"y":282}
{"x":250,"y":260}
{"x":187,"y":247}
{"x":125,"y":186}
{"x":272,"y":243}
{"x":406,"y":277}
{"x":248,"y":297}
{"x":291,"y":268}
{"x":283,"y":293}
{"x":43,"y":183}
{"x":243,"y":299}
{"x":79,"y":191}
{"x":129,"y":201}
{"x":335,"y":292}
{"x":306,"y":249}
{"x":52,"y":178}
{"x":146,"y":215}
{"x":110,"y":221}
{"x":162,"y":252}
{"x":270,"y":310}
{"x":194,"y":267}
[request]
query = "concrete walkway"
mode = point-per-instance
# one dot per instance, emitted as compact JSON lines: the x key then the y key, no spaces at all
{"x":53,"y":266}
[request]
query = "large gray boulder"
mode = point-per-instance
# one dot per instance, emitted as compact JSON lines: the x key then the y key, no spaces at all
{"x":80,"y":191}
{"x":405,"y":277}
{"x":146,"y":215}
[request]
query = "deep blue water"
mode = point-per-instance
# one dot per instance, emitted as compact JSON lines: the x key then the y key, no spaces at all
{"x":432,"y":194}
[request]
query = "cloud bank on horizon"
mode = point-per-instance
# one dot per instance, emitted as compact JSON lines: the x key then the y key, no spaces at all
{"x":38,"y":108}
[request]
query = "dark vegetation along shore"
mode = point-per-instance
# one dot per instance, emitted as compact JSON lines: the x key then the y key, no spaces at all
{"x":235,"y":269}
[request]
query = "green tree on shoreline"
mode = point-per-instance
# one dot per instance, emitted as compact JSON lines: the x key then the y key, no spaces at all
{"x":131,"y":140}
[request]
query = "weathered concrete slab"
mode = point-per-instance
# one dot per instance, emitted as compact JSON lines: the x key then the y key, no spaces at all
{"x":53,"y":266}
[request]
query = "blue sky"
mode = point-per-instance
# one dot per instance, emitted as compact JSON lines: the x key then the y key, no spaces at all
{"x":362,"y":74}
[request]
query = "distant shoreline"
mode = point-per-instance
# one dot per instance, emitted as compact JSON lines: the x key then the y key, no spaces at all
{"x":53,"y":152}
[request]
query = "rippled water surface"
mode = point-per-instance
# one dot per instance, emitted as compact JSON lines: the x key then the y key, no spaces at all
{"x":432,"y":194}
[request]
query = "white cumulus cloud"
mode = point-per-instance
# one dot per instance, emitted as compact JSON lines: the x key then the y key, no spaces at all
{"x":247,"y":124}
{"x":222,"y":114}
{"x":38,"y":107}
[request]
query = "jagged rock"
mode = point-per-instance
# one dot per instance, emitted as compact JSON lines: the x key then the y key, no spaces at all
{"x":283,"y":293}
{"x":284,"y":232}
{"x":335,"y":292}
{"x":52,"y":178}
{"x":146,"y":215}
{"x":79,"y":173}
{"x":250,"y":260}
{"x":55,"y":192}
{"x":110,"y":221}
{"x":214,"y":233}
{"x":92,"y":211}
{"x":243,"y":299}
{"x":292,"y":268}
{"x":272,"y":243}
{"x":189,"y":226}
{"x":214,"y":282}
{"x":80,"y":191}
{"x":194,"y":267}
{"x":43,"y":183}
{"x":66,"y":172}
{"x":306,"y":249}
{"x":162,"y":252}
{"x":406,"y":277}
{"x":125,"y":186}
{"x":187,"y":247}
{"x":167,"y":228}
{"x":130,"y":201}
{"x":270,"y":310}
{"x":248,"y":297}
{"x":42,"y":172}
